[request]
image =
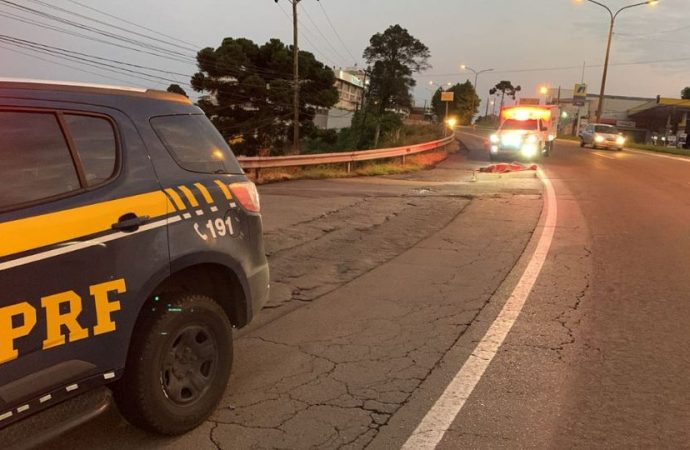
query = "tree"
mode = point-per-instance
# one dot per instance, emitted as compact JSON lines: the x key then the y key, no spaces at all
{"x":685,"y":93}
{"x":505,"y":88}
{"x":249,"y":91}
{"x":464,"y":106}
{"x":176,"y":89}
{"x":394,"y":55}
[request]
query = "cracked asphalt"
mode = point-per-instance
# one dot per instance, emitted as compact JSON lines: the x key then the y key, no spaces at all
{"x":383,"y":286}
{"x":374,"y":281}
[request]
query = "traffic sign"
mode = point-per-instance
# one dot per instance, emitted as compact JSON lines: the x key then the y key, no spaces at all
{"x":447,"y":96}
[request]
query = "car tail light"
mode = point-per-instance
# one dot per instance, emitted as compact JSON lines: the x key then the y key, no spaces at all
{"x":247,"y":195}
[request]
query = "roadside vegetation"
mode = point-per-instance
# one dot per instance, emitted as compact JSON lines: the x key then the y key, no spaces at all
{"x":414,"y":163}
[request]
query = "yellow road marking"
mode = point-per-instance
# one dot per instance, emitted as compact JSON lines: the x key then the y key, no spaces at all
{"x":190,"y":196}
{"x":204,"y":193}
{"x":224,"y":188}
{"x":39,"y":231}
{"x":176,"y":198}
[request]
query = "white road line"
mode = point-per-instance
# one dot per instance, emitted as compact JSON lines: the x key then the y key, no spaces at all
{"x":658,"y":155}
{"x":444,"y":412}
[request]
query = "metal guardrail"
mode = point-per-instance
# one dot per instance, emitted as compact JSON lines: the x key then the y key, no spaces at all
{"x":267,"y":162}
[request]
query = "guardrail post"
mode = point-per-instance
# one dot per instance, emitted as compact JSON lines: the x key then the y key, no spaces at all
{"x":349,"y":167}
{"x":403,"y":159}
{"x":257,"y":174}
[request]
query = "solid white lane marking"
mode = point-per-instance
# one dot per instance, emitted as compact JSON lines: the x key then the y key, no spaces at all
{"x":658,"y":155}
{"x":444,"y":412}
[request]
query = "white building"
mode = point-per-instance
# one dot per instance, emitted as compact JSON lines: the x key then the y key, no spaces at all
{"x":350,"y":84}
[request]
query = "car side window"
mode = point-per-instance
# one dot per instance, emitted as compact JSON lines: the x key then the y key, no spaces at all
{"x":35,"y":160}
{"x":195,"y":144}
{"x":94,"y":139}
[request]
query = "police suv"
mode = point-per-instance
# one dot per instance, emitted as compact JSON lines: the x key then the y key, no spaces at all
{"x":130,"y":247}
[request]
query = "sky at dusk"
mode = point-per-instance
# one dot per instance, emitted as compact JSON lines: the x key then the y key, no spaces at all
{"x":529,"y":42}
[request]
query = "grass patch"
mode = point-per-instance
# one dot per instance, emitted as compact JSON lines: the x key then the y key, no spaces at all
{"x":654,"y":148}
{"x":413,"y":163}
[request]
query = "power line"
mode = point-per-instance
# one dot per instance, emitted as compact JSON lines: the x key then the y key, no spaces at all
{"x":100,"y":22}
{"x":46,"y":26}
{"x":91,"y":29}
{"x":66,"y":65}
{"x":335,"y":51}
{"x":306,"y":38}
{"x":112,"y":16}
{"x":347,"y":49}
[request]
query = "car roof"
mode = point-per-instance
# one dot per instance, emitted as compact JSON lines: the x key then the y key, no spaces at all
{"x":135,"y":101}
{"x":26,"y":83}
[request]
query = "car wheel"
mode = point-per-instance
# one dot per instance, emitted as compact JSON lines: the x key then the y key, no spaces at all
{"x":620,"y":149}
{"x":582,"y":143}
{"x":178,"y":366}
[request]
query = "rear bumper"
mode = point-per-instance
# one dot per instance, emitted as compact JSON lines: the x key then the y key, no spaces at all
{"x":259,"y":290}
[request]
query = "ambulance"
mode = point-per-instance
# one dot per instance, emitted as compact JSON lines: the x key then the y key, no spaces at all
{"x":526,"y":132}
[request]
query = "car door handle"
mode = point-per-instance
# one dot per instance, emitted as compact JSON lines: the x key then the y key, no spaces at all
{"x":130,"y":222}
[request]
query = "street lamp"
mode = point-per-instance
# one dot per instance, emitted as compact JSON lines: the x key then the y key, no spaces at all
{"x":613,"y":15}
{"x":476,"y":79}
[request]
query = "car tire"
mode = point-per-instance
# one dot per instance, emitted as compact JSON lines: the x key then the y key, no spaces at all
{"x":582,"y":144}
{"x":178,"y":365}
{"x":619,"y":149}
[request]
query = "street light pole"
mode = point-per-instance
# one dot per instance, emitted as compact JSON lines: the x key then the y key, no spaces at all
{"x":600,"y":107}
{"x":476,"y":80}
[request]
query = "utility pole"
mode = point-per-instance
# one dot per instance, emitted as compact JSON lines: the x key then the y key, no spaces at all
{"x":295,"y":75}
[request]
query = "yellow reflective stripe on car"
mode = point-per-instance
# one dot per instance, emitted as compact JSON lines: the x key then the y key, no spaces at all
{"x":190,"y":196}
{"x":224,"y":189}
{"x":179,"y":204}
{"x":204,"y":192}
{"x":40,"y":231}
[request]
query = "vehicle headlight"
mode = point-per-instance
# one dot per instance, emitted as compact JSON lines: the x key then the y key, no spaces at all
{"x":599,"y":139}
{"x":529,"y":150}
{"x":552,"y":137}
{"x":532,"y":139}
{"x":620,"y":140}
{"x":494,"y":139}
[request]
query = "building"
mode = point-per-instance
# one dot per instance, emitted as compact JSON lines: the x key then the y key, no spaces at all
{"x":617,"y":111}
{"x":350,"y":84}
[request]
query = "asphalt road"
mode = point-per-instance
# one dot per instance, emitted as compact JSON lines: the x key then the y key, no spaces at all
{"x":384,"y":286}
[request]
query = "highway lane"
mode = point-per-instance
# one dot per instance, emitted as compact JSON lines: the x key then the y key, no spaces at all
{"x":598,"y":358}
{"x":375,"y":280}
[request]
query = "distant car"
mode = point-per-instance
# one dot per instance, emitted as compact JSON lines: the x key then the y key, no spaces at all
{"x":131,"y":247}
{"x":602,"y":136}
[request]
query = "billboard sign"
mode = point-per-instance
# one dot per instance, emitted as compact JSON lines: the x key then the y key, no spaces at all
{"x":580,"y":95}
{"x":447,"y":96}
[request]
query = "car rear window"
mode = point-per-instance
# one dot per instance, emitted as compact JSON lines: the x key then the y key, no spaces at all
{"x":606,"y":129}
{"x":94,"y":139}
{"x":35,"y":161}
{"x":195,"y":144}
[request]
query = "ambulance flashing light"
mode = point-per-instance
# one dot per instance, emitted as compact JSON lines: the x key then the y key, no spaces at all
{"x":526,"y":113}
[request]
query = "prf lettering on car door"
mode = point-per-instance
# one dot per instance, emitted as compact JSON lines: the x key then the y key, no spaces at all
{"x":61,"y":310}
